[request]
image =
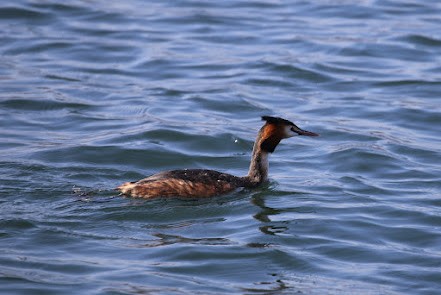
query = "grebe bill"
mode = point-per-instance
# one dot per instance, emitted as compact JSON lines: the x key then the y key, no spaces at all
{"x":198,"y":183}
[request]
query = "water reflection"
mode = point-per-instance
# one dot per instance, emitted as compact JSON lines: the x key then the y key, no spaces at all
{"x":268,"y":287}
{"x":265,"y":214}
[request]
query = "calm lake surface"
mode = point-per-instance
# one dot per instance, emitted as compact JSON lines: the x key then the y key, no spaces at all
{"x":97,"y":93}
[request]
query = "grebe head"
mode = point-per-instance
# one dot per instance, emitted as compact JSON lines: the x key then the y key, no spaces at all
{"x":276,"y":129}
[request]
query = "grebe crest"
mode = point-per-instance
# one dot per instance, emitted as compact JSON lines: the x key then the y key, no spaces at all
{"x":196,"y":183}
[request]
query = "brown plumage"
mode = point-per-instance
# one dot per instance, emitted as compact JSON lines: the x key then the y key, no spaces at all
{"x":198,"y":183}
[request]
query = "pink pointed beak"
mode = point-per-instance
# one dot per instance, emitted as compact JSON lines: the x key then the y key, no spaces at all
{"x":306,"y":133}
{"x":299,"y":131}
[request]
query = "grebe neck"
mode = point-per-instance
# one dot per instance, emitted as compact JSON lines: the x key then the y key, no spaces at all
{"x":258,"y":171}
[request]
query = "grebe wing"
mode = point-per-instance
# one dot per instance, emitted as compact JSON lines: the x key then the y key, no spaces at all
{"x":193,"y":175}
{"x":183,"y":183}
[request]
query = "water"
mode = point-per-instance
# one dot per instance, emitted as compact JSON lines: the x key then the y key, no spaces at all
{"x":96,"y":93}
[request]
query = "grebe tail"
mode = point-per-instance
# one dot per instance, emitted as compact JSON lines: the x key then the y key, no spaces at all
{"x":196,"y":183}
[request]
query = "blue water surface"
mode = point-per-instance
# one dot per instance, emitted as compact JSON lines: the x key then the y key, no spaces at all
{"x":97,"y":93}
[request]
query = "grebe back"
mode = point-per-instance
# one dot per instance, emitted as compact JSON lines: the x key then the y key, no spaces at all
{"x":197,"y":183}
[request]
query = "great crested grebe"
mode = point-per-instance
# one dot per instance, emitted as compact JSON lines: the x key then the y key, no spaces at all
{"x":197,"y":183}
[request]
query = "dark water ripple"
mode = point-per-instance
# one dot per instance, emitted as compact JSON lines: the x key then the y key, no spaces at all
{"x":97,"y":93}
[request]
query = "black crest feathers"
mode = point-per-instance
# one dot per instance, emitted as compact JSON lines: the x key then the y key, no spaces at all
{"x":276,"y":120}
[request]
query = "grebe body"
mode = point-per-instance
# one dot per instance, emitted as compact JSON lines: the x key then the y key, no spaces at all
{"x":192,"y":183}
{"x":198,"y":183}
